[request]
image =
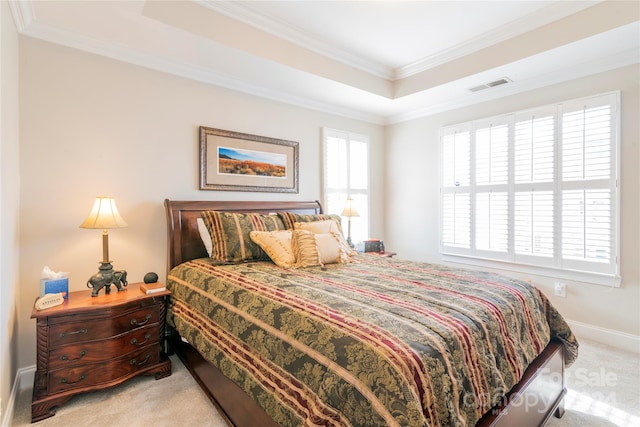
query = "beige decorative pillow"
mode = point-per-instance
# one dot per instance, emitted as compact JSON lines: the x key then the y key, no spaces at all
{"x":324,"y":227}
{"x":277,"y":244}
{"x":313,"y":249}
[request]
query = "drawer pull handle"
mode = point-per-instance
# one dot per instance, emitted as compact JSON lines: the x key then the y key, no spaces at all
{"x":146,"y":338}
{"x":134,"y":322}
{"x":80,"y":331}
{"x":64,"y":380}
{"x":135,"y":362}
{"x":82,"y":354}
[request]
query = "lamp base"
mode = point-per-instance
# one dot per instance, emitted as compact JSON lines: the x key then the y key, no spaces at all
{"x":105,"y":277}
{"x":349,"y":242}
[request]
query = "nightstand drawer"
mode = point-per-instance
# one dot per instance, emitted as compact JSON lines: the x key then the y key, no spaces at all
{"x":98,"y":351}
{"x":93,"y":374}
{"x":101,"y":312}
{"x":68,"y":333}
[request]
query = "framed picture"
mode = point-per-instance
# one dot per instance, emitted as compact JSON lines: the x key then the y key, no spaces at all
{"x":235,"y":161}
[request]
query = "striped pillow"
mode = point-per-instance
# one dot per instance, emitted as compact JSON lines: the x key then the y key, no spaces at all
{"x":290,"y":218}
{"x":230,"y":234}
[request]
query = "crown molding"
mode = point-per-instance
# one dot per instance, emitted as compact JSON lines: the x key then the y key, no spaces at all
{"x":243,"y":12}
{"x":22,"y":12}
{"x":622,"y":59}
{"x":189,"y":71}
{"x":515,"y":28}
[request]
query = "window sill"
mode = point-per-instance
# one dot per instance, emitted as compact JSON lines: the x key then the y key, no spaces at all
{"x":554,"y":273}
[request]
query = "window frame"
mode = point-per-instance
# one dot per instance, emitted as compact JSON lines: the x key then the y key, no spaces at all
{"x":555,"y":266}
{"x":363,"y":209}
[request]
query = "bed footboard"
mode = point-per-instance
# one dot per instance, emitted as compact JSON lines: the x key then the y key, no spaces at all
{"x":537,"y":397}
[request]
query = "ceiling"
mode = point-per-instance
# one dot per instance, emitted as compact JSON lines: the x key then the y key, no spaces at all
{"x":378,"y":61}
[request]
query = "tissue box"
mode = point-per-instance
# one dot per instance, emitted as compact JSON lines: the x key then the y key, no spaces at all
{"x":54,"y":286}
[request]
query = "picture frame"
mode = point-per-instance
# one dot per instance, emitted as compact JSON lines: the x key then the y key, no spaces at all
{"x":234,"y":161}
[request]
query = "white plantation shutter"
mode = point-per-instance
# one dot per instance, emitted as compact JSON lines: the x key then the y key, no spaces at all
{"x":534,"y":186}
{"x":537,"y":188}
{"x":456,"y":191}
{"x":457,"y":159}
{"x":491,"y":209}
{"x":335,"y":172}
{"x":586,"y":225}
{"x":586,"y":141}
{"x":589,"y":184}
{"x":534,"y":147}
{"x":492,"y":221}
{"x":492,"y":155}
{"x":346,"y":174}
{"x":534,"y":229}
{"x":456,"y":217}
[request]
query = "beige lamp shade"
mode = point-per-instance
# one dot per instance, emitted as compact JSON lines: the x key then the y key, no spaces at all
{"x":104,"y":215}
{"x":349,"y":211}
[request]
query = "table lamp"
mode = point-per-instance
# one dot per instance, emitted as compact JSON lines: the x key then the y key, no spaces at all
{"x":105,"y":215}
{"x":349,"y":211}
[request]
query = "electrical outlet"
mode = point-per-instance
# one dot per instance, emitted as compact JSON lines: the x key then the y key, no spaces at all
{"x":560,"y":289}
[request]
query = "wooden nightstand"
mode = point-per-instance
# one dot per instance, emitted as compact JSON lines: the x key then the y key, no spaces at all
{"x":90,"y":343}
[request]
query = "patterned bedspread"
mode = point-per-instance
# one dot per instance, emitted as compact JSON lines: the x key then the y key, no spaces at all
{"x":377,"y":342}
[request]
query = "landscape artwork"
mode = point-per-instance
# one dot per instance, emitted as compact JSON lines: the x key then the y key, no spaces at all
{"x":254,"y":163}
{"x":233,"y":161}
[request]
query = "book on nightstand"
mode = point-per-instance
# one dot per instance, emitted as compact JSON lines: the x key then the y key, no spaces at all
{"x":152,"y":288}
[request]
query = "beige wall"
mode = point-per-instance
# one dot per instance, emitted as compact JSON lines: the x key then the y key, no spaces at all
{"x":93,"y":126}
{"x":9,"y":203}
{"x":413,"y":156}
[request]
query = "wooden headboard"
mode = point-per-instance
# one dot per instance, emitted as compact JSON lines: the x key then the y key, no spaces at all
{"x":183,"y":238}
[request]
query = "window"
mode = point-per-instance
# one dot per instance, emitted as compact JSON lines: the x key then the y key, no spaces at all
{"x":346,"y":174}
{"x":536,"y":188}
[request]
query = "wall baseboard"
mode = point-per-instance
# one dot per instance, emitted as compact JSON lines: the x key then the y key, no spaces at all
{"x":23,"y":381}
{"x":611,"y":337}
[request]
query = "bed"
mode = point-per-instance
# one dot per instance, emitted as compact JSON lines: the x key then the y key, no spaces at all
{"x":333,"y":344}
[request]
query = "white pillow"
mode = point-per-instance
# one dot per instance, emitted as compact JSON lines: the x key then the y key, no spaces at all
{"x":313,"y":249}
{"x":323,"y":227}
{"x":205,"y":236}
{"x":326,"y":227}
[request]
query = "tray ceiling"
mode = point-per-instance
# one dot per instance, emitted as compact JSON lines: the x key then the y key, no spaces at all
{"x":378,"y":61}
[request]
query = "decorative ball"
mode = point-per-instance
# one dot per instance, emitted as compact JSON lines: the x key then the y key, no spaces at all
{"x":150,"y":277}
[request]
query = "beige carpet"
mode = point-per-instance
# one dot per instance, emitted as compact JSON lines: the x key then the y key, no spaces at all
{"x":604,"y":390}
{"x":142,"y":401}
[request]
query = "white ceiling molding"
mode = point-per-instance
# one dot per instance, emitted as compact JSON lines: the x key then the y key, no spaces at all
{"x":601,"y":65}
{"x":189,"y":71}
{"x":515,"y":28}
{"x":148,"y":42}
{"x":243,"y":12}
{"x":22,"y":12}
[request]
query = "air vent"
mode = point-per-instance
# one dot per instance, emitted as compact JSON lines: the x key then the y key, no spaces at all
{"x":491,"y":84}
